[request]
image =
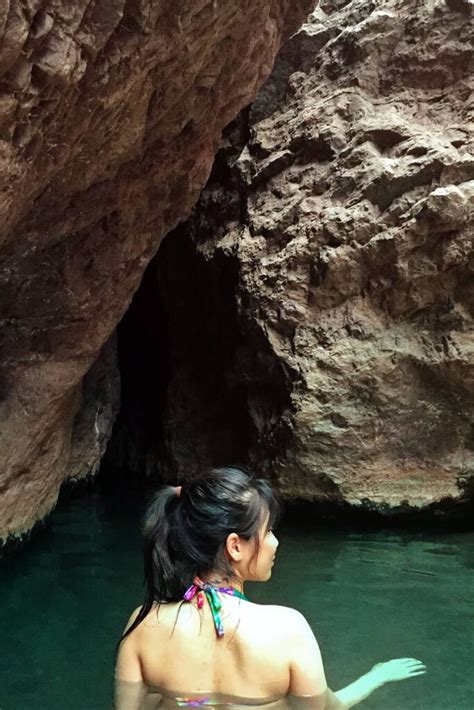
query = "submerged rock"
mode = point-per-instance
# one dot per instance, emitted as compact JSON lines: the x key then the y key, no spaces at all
{"x":110,"y":115}
{"x":344,"y":200}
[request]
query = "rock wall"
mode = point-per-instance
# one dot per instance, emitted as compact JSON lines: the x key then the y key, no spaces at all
{"x":110,"y":113}
{"x":345,"y":194}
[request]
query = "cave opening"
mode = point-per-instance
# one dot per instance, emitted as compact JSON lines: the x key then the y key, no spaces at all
{"x":183,"y":401}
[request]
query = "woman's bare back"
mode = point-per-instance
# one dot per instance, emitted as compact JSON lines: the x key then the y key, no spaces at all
{"x":250,"y":660}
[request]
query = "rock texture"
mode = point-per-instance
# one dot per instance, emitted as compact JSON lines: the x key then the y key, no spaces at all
{"x":109,"y":117}
{"x":345,"y":198}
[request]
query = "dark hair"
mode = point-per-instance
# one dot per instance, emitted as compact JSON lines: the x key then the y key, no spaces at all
{"x":185,"y":535}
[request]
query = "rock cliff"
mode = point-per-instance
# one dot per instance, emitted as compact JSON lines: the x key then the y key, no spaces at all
{"x":342,"y":205}
{"x":110,"y":115}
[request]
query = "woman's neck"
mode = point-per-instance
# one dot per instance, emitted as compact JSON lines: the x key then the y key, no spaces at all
{"x":217,"y":580}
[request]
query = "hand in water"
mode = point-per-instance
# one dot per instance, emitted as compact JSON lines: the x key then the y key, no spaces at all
{"x":398,"y":669}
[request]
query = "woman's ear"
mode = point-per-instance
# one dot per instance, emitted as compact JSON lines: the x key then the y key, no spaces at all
{"x":233,"y":546}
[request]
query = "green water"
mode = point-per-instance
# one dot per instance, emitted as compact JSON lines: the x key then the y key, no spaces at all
{"x":369,"y":596}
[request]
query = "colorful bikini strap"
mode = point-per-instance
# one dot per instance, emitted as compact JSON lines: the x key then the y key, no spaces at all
{"x":200,"y":588}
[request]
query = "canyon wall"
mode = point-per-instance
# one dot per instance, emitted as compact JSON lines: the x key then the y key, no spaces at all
{"x":342,"y":204}
{"x":110,"y":116}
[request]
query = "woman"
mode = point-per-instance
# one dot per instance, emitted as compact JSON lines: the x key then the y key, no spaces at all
{"x":197,"y":639}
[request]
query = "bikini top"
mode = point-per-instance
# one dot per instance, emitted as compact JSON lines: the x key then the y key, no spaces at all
{"x":138,"y":695}
{"x":212,"y":698}
{"x":201,"y":589}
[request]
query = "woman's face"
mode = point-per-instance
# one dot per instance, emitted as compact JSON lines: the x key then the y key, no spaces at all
{"x":260,"y":568}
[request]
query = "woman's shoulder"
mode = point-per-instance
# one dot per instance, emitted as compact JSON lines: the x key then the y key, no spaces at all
{"x":289,"y":620}
{"x":145,"y":621}
{"x":279,"y":610}
{"x":132,"y":617}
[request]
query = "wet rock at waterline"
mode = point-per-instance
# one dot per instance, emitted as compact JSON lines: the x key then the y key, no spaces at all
{"x":109,"y":120}
{"x":344,"y":201}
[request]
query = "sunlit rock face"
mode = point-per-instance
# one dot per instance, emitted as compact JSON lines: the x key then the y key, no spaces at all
{"x":346,"y":195}
{"x":110,"y":113}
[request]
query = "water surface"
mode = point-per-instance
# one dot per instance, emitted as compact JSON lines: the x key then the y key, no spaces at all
{"x":369,"y":596}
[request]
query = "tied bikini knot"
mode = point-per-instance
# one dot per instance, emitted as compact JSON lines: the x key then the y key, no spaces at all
{"x":201,"y":589}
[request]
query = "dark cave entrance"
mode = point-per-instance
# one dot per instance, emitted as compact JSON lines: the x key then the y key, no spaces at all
{"x":183,"y":402}
{"x":200,"y":384}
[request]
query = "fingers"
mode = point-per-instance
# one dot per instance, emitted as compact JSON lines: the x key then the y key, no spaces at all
{"x":415,"y":669}
{"x":414,"y":664}
{"x":409,"y":662}
{"x":412,"y":675}
{"x":401,"y":668}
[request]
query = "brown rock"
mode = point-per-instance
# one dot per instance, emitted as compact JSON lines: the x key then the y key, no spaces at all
{"x":110,"y":114}
{"x":349,"y":211}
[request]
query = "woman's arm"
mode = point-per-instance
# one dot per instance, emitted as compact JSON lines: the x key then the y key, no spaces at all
{"x":129,"y":695}
{"x":307,"y":677}
{"x":358,"y":690}
{"x":398,"y":669}
{"x":130,"y":690}
{"x":128,"y":666}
